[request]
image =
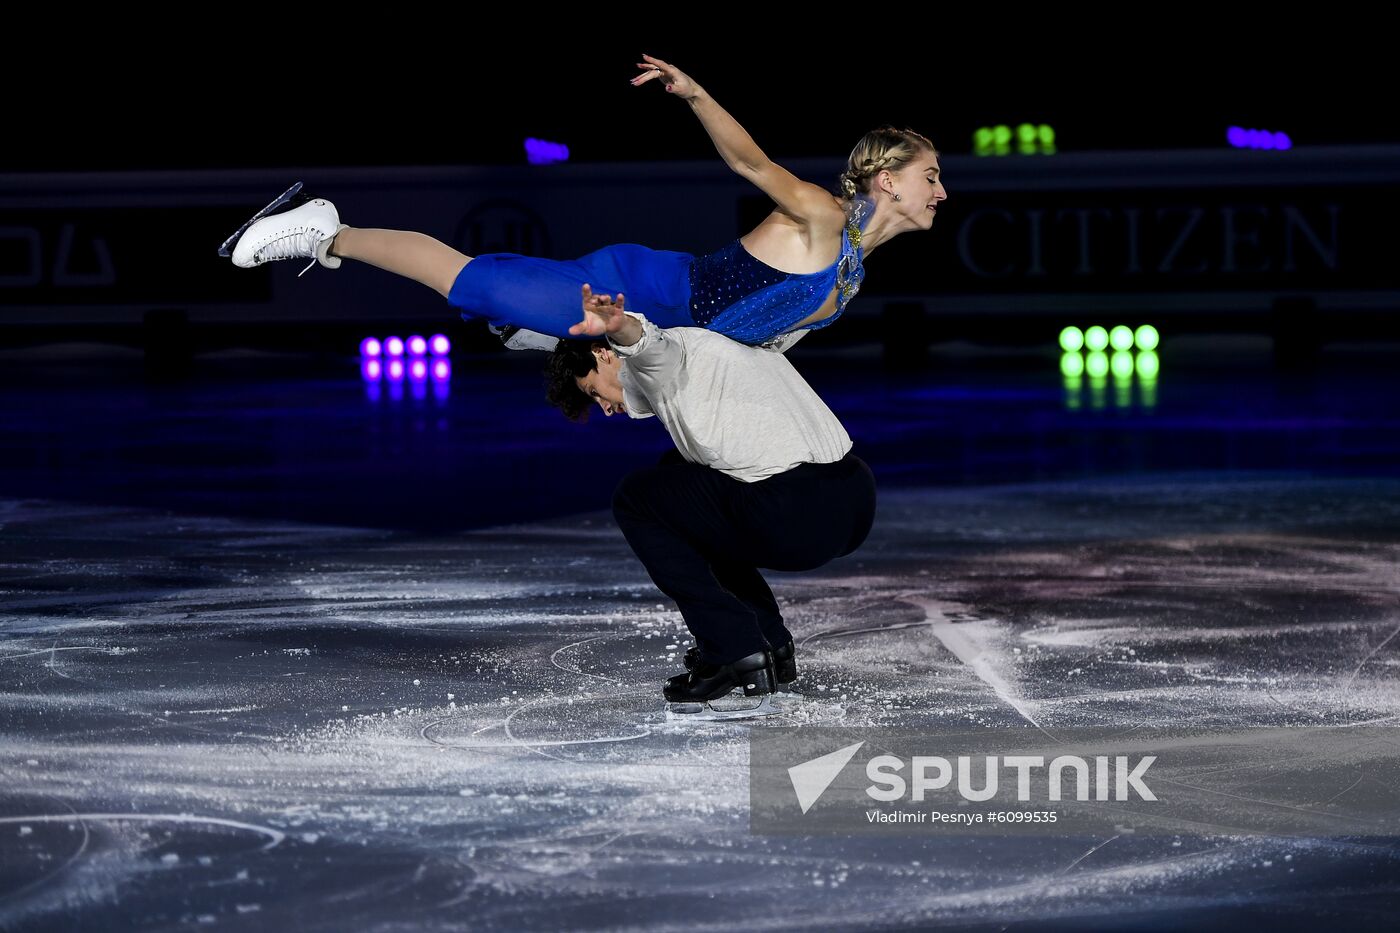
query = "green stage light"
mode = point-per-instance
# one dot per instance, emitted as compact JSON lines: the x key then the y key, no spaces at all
{"x":1147,"y":365}
{"x":1146,"y":337}
{"x":1121,"y":338}
{"x":1072,"y":365}
{"x":1096,"y":338}
{"x":1002,"y":134}
{"x":1047,"y":134}
{"x":1122,"y":365}
{"x":1071,"y":339}
{"x":1096,"y":365}
{"x":1025,"y":139}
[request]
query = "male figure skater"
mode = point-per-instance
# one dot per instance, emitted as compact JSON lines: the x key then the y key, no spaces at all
{"x":762,"y":476}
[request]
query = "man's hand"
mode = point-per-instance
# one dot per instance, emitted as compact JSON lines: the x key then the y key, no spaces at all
{"x":601,"y":315}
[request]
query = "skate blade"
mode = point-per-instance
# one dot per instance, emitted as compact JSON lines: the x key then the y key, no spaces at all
{"x":227,"y":249}
{"x":529,"y":340}
{"x":724,"y":708}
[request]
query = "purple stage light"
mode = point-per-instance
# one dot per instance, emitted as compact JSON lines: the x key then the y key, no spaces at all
{"x":370,"y":347}
{"x":442,"y":370}
{"x":417,"y":346}
{"x":371,"y":370}
{"x":393,"y":346}
{"x":544,"y":152}
{"x":396,"y":369}
{"x":418,"y":369}
{"x":440,"y":344}
{"x":1242,"y":138}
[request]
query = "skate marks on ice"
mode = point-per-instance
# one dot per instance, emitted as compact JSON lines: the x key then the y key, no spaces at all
{"x":1249,"y":602}
{"x":589,"y":707}
{"x":467,"y":728}
{"x":912,"y":658}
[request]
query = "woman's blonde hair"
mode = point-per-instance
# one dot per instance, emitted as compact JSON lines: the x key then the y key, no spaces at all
{"x":885,"y":148}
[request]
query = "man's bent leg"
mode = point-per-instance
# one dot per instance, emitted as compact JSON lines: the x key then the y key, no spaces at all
{"x":673,"y":516}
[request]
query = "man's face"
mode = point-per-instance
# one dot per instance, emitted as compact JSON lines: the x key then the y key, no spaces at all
{"x":603,"y":385}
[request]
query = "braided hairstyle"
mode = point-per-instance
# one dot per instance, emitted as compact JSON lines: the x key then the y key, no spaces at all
{"x":885,"y":148}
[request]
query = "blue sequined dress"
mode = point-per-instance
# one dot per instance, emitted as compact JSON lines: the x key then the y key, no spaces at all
{"x":727,"y":291}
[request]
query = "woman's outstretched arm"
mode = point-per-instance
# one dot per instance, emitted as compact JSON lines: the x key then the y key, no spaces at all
{"x":803,"y":200}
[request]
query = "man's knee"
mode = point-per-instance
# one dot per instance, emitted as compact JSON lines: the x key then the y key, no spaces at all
{"x":863,"y":507}
{"x":650,"y":484}
{"x":634,"y":491}
{"x":622,"y":497}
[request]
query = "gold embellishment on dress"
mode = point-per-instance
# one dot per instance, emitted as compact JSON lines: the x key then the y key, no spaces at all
{"x":846,"y":281}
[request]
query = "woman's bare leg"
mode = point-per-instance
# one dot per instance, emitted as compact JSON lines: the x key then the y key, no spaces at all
{"x":403,"y":252}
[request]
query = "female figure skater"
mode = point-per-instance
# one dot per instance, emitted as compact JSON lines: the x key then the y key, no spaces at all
{"x":797,"y":269}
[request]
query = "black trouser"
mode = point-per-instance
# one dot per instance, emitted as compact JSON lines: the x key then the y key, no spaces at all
{"x":702,"y":535}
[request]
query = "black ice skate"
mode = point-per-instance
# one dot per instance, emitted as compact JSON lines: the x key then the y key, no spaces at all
{"x":784,"y":661}
{"x":691,"y":696}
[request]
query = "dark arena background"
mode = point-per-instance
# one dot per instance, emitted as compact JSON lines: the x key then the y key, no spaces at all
{"x":298,"y":634}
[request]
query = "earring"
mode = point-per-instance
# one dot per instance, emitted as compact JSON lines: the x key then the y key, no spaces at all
{"x":896,"y":197}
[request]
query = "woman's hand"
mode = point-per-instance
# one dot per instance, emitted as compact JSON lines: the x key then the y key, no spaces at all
{"x":601,"y":315}
{"x":676,"y":81}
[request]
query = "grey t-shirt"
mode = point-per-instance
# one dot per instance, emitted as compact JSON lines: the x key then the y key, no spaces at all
{"x":739,"y":409}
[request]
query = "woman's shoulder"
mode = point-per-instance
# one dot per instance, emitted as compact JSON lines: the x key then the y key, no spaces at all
{"x":831,"y":213}
{"x":824,"y":219}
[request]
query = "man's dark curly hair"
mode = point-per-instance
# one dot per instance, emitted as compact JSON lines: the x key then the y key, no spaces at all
{"x":570,"y":360}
